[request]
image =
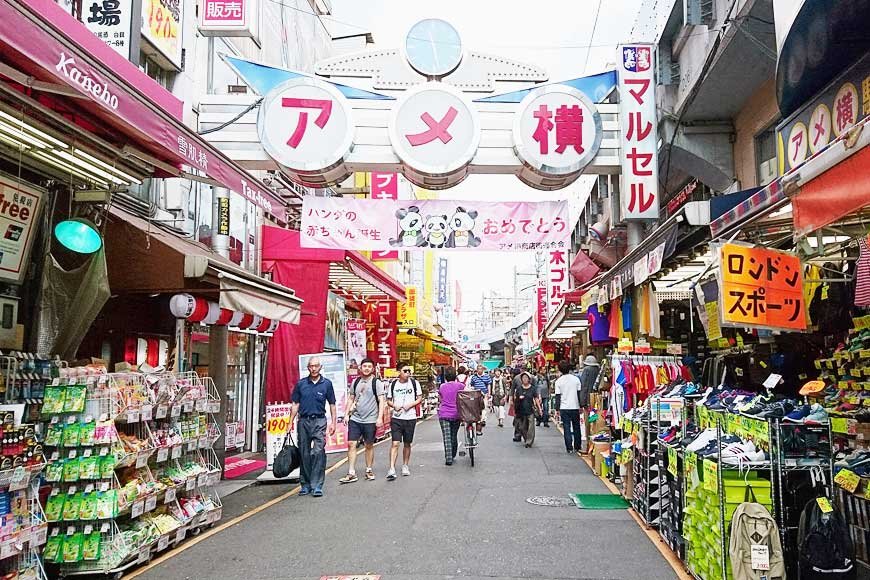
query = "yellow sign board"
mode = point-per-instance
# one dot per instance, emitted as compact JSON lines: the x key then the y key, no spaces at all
{"x":407,"y":313}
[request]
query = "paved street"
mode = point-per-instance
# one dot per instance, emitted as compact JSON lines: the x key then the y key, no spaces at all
{"x":442,"y":522}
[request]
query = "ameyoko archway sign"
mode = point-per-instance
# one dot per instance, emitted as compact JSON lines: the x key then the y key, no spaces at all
{"x":437,"y":112}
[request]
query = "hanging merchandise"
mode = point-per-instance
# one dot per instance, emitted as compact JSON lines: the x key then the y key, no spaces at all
{"x":755,"y":549}
{"x":825,"y":549}
{"x":862,"y":274}
{"x":599,"y":326}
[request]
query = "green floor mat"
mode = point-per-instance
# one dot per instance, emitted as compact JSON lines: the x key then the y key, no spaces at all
{"x":598,"y":501}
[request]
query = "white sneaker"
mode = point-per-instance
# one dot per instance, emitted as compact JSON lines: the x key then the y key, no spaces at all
{"x":391,"y":475}
{"x":405,"y":471}
{"x":702,"y":440}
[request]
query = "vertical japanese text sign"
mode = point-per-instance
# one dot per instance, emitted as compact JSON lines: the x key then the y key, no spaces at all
{"x":442,"y":280}
{"x":407,"y":313}
{"x":761,"y":288}
{"x":557,"y":279}
{"x":385,"y":186}
{"x":381,"y":332}
{"x":638,"y":134}
{"x":541,"y":310}
{"x":110,"y":21}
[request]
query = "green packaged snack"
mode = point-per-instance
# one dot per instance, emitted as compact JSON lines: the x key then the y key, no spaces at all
{"x":107,"y":466}
{"x":86,"y":433}
{"x":54,"y":507}
{"x":88,"y":509}
{"x":74,"y":398}
{"x":89,"y":467}
{"x":71,"y":469}
{"x":54,"y":471}
{"x":71,"y":434}
{"x":53,"y":400}
{"x":72,"y":506}
{"x":107,"y":504}
{"x":72,"y":547}
{"x":54,"y":435}
{"x":51,"y":552}
{"x":91,"y":546}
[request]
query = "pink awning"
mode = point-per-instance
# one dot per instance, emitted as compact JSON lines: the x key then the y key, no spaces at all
{"x":39,"y":38}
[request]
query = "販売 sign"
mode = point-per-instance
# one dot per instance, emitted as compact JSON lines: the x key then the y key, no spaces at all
{"x":228,"y":17}
{"x":761,"y":288}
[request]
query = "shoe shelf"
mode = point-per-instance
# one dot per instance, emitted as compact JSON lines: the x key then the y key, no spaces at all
{"x":131,"y":468}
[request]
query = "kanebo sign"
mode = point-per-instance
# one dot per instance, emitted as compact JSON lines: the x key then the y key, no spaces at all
{"x":437,"y":132}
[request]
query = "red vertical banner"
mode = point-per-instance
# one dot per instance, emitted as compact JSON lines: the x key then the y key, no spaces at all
{"x":557,"y":279}
{"x":385,"y":186}
{"x":381,"y":332}
{"x":541,"y":306}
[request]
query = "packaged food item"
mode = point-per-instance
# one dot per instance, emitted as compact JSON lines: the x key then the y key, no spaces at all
{"x":89,"y":467}
{"x":88,"y":510}
{"x":74,"y":398}
{"x":72,"y":547}
{"x":71,"y":433}
{"x":72,"y":507}
{"x":71,"y":469}
{"x":105,"y":432}
{"x":107,"y":504}
{"x":54,"y":435}
{"x":54,"y":471}
{"x":107,"y":466}
{"x":54,"y":507}
{"x":51,"y":552}
{"x":53,"y":400}
{"x":87,"y":432}
{"x":91,"y":546}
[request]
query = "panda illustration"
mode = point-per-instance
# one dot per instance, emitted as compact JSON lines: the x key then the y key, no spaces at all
{"x":436,"y":231}
{"x":410,"y":229}
{"x":461,"y":226}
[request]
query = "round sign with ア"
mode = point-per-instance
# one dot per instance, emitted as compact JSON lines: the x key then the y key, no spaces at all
{"x":306,"y":125}
{"x":557,"y":130}
{"x":434,"y":130}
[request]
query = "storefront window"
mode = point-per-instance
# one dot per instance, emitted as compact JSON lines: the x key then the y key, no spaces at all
{"x":765,"y":155}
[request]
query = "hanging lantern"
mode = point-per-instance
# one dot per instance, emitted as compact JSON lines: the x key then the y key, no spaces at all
{"x":189,"y":307}
{"x":258,"y":320}
{"x":225,"y":317}
{"x":273,"y":326}
{"x":246,"y":321}
{"x":264,"y":325}
{"x":236,"y":319}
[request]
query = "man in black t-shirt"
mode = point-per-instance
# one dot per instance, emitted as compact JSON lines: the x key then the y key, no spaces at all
{"x":526,"y":404}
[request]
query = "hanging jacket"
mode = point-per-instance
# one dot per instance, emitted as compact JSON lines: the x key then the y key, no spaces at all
{"x":753,"y":524}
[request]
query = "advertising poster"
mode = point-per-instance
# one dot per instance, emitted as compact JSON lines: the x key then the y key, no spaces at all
{"x":335,"y":369}
{"x":407,"y":314}
{"x":381,"y":332}
{"x":19,"y":212}
{"x":383,"y":224}
{"x":336,"y":321}
{"x":110,"y":21}
{"x":385,"y":186}
{"x":277,"y":423}
{"x":161,"y":26}
{"x":356,"y":341}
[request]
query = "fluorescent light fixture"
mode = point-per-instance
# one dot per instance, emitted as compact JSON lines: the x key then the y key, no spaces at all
{"x":9,"y":130}
{"x":41,"y":134}
{"x":106,"y":166}
{"x":88,"y":166}
{"x":78,"y":235}
{"x":13,"y":142}
{"x":68,"y":168}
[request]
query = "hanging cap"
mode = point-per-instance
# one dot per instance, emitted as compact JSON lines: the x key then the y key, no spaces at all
{"x":591,"y":361}
{"x":812,"y":388}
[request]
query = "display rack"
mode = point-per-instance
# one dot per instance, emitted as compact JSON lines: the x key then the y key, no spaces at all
{"x":151,"y":437}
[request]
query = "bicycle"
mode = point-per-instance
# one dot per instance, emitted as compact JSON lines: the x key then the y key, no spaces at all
{"x":471,"y":406}
{"x":470,"y":441}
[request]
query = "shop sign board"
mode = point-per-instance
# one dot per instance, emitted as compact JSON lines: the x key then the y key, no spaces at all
{"x":110,"y":21}
{"x":541,"y":305}
{"x":229,"y":18}
{"x":348,"y":223}
{"x":407,"y":315}
{"x":682,"y":197}
{"x":638,"y":135}
{"x":442,"y":280}
{"x":760,"y":288}
{"x":336,"y":322}
{"x":20,"y":206}
{"x":380,"y":319}
{"x":356,"y":341}
{"x":277,"y":426}
{"x":558,"y":281}
{"x":844,"y":103}
{"x":162,"y":25}
{"x":223,"y":225}
{"x":385,"y":186}
{"x":335,"y":369}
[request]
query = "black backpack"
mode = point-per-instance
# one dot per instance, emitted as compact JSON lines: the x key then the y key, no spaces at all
{"x":374,"y":389}
{"x":414,"y":384}
{"x":825,"y":547}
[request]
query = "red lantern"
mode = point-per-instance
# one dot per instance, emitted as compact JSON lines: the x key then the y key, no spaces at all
{"x":246,"y":322}
{"x":225,"y":317}
{"x":264,"y":325}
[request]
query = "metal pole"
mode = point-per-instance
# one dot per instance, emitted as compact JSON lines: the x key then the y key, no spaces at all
{"x":217,"y":370}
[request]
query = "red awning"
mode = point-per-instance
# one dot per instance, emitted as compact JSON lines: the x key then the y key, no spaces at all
{"x":349,"y":270}
{"x":39,"y":38}
{"x":835,"y":183}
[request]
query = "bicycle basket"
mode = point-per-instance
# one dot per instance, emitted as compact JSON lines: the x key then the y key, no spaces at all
{"x":470,"y":405}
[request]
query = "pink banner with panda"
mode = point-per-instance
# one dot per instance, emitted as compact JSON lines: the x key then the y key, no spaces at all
{"x":385,"y":224}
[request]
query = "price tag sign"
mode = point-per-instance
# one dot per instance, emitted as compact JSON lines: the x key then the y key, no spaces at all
{"x":824,"y":505}
{"x":203,"y":479}
{"x":38,"y":535}
{"x":7,"y":549}
{"x":203,"y":442}
{"x":162,"y":454}
{"x":214,"y":406}
{"x":672,"y":461}
{"x":711,"y":476}
{"x":772,"y":381}
{"x":201,"y":405}
{"x":144,"y":554}
{"x":19,"y":480}
{"x":150,"y":503}
{"x":188,"y":406}
{"x":170,"y":495}
{"x":181,"y":534}
{"x":162,"y":543}
{"x":132,"y":416}
{"x":176,"y":411}
{"x":176,"y":452}
{"x":137,"y":509}
{"x":147,"y":412}
{"x":839,"y":425}
{"x":191,"y":445}
{"x":190,"y":484}
{"x":162,"y":411}
{"x":214,"y":478}
{"x":142,"y":459}
{"x":847,"y":480}
{"x":759,"y":557}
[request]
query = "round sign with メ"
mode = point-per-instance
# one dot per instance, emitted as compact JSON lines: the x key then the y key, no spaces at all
{"x":434,"y":130}
{"x":305,"y":124}
{"x":557,"y":130}
{"x":820,"y":128}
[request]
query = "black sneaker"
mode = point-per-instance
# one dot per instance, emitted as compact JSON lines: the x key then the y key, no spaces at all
{"x":777,"y":410}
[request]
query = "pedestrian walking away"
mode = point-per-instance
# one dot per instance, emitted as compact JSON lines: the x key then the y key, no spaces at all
{"x":403,"y":396}
{"x":568,"y":404}
{"x":448,"y":414}
{"x":544,"y":393}
{"x":309,"y":401}
{"x":366,"y":409}
{"x":527,"y":404}
{"x":499,"y":395}
{"x":481,"y":381}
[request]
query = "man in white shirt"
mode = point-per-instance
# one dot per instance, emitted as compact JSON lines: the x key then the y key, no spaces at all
{"x":403,"y":396}
{"x":568,"y":402}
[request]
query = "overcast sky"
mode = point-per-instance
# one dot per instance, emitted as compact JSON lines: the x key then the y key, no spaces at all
{"x":553,"y":34}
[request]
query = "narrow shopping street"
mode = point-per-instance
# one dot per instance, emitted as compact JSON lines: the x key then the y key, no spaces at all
{"x":442,"y":522}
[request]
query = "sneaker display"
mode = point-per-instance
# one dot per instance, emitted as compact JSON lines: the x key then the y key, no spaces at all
{"x":707,"y":436}
{"x":777,"y":410}
{"x":798,"y":415}
{"x":817,"y":416}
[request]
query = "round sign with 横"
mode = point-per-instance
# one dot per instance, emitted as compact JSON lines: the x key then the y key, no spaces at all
{"x":305,"y":124}
{"x":434,"y":130}
{"x":557,"y":130}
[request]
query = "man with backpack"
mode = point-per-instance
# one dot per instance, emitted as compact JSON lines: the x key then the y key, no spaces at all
{"x":403,"y":397}
{"x":366,"y":407}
